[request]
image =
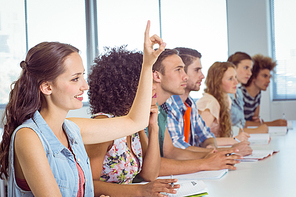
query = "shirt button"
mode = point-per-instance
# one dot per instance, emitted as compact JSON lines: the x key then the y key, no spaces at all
{"x":78,"y":159}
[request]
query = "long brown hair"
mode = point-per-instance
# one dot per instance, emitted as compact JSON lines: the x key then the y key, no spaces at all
{"x":44,"y":62}
{"x":214,"y":88}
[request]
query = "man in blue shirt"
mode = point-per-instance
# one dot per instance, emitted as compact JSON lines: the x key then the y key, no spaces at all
{"x":200,"y":136}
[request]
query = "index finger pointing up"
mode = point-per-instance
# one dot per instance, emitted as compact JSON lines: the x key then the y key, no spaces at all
{"x":147,"y":30}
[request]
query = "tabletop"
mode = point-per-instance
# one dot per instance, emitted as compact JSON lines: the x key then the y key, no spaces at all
{"x":273,"y":176}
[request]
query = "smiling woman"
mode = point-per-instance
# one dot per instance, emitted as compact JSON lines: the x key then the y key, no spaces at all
{"x":42,"y":152}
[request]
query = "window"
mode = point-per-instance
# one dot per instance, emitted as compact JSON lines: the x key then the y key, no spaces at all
{"x":51,"y":20}
{"x":12,"y":44}
{"x":197,"y":24}
{"x":187,"y":23}
{"x":184,"y":23}
{"x":284,"y":31}
{"x":124,"y":22}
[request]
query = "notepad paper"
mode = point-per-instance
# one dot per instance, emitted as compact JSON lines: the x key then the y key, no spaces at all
{"x":188,"y":188}
{"x":277,"y":130}
{"x":260,"y":154}
{"x":202,"y":175}
{"x":259,"y":138}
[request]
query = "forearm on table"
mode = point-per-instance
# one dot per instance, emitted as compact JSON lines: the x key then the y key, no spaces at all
{"x":209,"y":142}
{"x":172,"y":166}
{"x":225,"y":141}
{"x":184,"y":154}
{"x":113,"y":189}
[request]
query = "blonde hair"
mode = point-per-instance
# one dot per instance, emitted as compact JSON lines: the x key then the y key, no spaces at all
{"x":213,"y":87}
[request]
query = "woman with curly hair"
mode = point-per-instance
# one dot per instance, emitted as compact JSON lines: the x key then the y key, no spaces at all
{"x":113,"y":83}
{"x":214,"y":106}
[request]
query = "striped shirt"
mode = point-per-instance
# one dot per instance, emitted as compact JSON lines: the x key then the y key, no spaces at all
{"x":251,"y":103}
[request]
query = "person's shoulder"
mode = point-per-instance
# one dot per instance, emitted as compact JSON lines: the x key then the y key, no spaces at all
{"x":25,"y":136}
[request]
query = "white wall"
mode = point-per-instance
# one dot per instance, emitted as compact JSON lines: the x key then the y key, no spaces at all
{"x":249,"y":31}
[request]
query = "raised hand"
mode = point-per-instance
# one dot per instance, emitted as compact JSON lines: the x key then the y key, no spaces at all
{"x":149,"y":54}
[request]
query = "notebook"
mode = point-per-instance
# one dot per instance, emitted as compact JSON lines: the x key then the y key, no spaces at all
{"x":259,"y":138}
{"x":259,"y":155}
{"x":190,"y":188}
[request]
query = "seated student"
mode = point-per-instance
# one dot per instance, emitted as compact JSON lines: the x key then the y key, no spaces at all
{"x":169,"y":78}
{"x":243,"y":63}
{"x":180,"y":105}
{"x":113,"y":83}
{"x":259,"y":81}
{"x":42,"y":153}
{"x":214,"y":106}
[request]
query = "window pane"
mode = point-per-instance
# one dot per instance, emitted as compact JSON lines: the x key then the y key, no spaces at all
{"x":197,"y":24}
{"x":56,"y":20}
{"x":284,"y":85}
{"x":12,"y":44}
{"x":123,"y":22}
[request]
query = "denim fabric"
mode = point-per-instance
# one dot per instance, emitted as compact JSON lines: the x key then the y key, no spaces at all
{"x":237,"y":108}
{"x":60,"y":159}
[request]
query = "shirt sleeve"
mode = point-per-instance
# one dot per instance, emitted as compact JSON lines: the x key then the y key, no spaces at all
{"x":174,"y":125}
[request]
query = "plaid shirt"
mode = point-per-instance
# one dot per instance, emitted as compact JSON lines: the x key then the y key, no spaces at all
{"x":199,"y":132}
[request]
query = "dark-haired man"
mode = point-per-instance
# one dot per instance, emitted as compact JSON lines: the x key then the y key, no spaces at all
{"x":258,"y":82}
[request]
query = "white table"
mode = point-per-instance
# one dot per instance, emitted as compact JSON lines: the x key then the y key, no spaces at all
{"x":274,"y":176}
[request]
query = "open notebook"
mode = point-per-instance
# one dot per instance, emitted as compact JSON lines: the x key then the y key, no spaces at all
{"x":190,"y":188}
{"x":259,"y":155}
{"x":259,"y":138}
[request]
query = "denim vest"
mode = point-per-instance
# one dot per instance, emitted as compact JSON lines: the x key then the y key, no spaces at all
{"x":237,"y":108}
{"x":60,"y":159}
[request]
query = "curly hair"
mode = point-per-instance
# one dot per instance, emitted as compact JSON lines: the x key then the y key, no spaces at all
{"x":260,"y":62}
{"x":213,"y":87}
{"x":188,"y":55}
{"x":113,"y":81}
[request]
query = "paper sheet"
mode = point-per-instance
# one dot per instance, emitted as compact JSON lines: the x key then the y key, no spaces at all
{"x":191,"y":187}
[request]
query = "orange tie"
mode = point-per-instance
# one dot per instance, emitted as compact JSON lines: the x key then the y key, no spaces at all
{"x":186,"y":118}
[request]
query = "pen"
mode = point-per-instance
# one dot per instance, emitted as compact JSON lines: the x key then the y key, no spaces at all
{"x":172,"y":184}
{"x":237,"y":139}
{"x":260,"y":120}
{"x":241,"y":126}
